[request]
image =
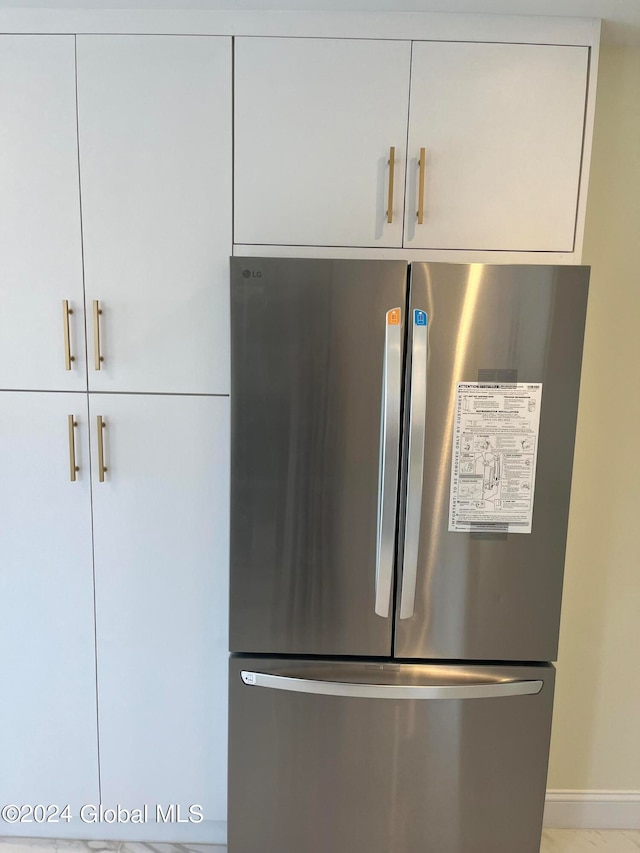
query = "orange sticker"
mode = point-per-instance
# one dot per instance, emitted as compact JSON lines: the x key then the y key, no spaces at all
{"x":393,"y":317}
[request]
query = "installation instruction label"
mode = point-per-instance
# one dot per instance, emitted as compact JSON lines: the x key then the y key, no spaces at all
{"x":495,"y":448}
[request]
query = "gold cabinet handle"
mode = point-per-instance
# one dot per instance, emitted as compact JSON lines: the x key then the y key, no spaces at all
{"x":98,"y":358}
{"x":391,"y":162}
{"x":102,"y":469}
{"x":422,"y":166}
{"x":73,"y":468}
{"x":66,"y":313}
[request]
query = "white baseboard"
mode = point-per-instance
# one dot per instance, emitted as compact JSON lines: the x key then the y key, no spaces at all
{"x":592,"y":810}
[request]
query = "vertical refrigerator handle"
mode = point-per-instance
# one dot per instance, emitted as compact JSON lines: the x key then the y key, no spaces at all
{"x":389,"y":460}
{"x":415,"y":465}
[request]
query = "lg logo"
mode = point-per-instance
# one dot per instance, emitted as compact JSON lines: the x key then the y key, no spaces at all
{"x":251,"y":274}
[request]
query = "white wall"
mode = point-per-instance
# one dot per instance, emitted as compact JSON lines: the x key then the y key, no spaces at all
{"x":596,"y":734}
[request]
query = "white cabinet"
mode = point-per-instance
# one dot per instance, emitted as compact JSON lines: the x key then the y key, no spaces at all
{"x":40,"y":247}
{"x":314,"y":122}
{"x":161,"y":557}
{"x":502,"y":127}
{"x":48,"y":722}
{"x":154,"y":118}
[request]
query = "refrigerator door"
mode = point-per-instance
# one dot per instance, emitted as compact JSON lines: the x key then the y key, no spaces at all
{"x":352,"y":757}
{"x":488,"y":593}
{"x":316,"y":374}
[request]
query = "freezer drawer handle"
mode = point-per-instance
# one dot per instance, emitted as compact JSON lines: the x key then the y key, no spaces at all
{"x":417,"y":421}
{"x":486,"y":690}
{"x":389,"y":453}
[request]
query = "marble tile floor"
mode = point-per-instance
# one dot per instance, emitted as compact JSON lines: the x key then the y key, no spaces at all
{"x":553,"y":841}
{"x":588,"y":840}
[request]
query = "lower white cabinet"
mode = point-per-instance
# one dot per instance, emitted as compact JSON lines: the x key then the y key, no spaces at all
{"x":150,"y":725}
{"x":161,"y":554}
{"x":48,"y":724}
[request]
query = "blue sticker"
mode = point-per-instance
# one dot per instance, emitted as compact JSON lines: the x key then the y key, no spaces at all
{"x":419,"y":318}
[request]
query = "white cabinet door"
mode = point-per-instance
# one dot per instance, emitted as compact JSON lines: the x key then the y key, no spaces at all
{"x":48,"y":736}
{"x":502,"y":125}
{"x":161,"y":563}
{"x":40,"y":247}
{"x":314,"y":122}
{"x":154,"y":116}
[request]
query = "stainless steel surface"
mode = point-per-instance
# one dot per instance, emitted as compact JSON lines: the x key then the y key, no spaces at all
{"x":307,"y":340}
{"x":391,"y":691}
{"x":389,"y":461}
{"x":495,"y":596}
{"x":415,"y":461}
{"x":319,"y":773}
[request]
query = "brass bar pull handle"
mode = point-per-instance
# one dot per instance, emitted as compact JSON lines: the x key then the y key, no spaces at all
{"x":73,"y":468}
{"x":421,"y":166}
{"x":102,"y":469}
{"x":392,"y":164}
{"x":66,"y":313}
{"x":97,"y":311}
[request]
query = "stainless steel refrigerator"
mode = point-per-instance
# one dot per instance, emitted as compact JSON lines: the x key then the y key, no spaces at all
{"x":402,"y":446}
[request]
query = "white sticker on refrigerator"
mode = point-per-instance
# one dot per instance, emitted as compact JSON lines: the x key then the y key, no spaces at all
{"x":495,"y":449}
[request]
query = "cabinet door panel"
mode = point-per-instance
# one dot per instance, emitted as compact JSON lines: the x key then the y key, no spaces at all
{"x":48,"y":739}
{"x":40,"y":248}
{"x":161,"y":557}
{"x":154,"y":118}
{"x":314,"y":121}
{"x":502,"y":125}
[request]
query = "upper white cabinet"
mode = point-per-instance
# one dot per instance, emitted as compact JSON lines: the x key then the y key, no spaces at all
{"x":48,"y":718}
{"x":315,"y":120}
{"x":154,"y":119}
{"x":40,"y":246}
{"x":502,"y":128}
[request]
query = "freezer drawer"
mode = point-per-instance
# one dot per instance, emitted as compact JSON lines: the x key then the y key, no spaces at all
{"x":372,"y":758}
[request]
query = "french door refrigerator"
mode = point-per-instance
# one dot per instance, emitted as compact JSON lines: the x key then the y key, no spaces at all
{"x":402,"y":446}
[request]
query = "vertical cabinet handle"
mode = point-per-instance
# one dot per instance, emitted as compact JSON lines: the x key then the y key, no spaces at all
{"x":392,"y":164}
{"x":97,"y":311}
{"x":422,"y":163}
{"x":73,"y":468}
{"x":102,"y":470}
{"x":66,"y":313}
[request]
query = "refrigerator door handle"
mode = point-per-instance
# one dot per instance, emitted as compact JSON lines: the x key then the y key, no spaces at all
{"x":483,"y":690}
{"x":415,"y":466}
{"x":389,"y":460}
